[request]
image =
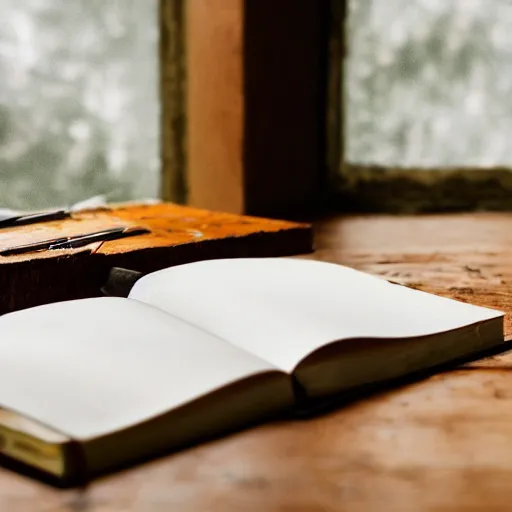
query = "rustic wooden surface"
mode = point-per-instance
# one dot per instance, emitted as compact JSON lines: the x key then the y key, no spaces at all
{"x":169,"y":225}
{"x":178,"y":234}
{"x":443,"y":444}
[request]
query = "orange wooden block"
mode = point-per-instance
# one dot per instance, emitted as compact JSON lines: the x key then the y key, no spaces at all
{"x":177,"y":235}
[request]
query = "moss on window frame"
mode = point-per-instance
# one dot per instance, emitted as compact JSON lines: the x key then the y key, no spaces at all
{"x":397,"y":190}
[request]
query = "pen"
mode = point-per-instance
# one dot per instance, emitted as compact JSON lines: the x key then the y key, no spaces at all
{"x":34,"y":218}
{"x":75,"y":241}
{"x":98,"y":236}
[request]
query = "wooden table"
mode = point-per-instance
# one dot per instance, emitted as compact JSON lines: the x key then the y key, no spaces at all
{"x":441,"y":444}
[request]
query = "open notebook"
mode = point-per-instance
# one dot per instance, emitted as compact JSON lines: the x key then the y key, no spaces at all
{"x":205,"y":348}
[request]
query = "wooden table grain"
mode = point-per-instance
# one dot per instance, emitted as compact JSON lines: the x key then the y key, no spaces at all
{"x":442,"y":444}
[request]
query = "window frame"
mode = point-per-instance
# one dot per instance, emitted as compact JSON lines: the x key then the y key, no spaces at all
{"x":234,"y":138}
{"x":380,"y":188}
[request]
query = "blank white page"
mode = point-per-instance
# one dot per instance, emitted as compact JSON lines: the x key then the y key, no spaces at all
{"x":283,"y":309}
{"x":93,"y":366}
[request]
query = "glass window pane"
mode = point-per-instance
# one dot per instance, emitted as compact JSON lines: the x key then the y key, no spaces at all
{"x":78,"y":101}
{"x":429,"y":82}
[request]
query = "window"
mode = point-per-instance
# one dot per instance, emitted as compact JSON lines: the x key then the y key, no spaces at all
{"x":403,"y":102}
{"x":417,"y":112}
{"x":429,"y":83}
{"x":427,"y":116}
{"x":79,"y":111}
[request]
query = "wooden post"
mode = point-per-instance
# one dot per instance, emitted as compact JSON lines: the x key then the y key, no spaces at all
{"x":256,"y":105}
{"x":215,"y":104}
{"x":262,"y":103}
